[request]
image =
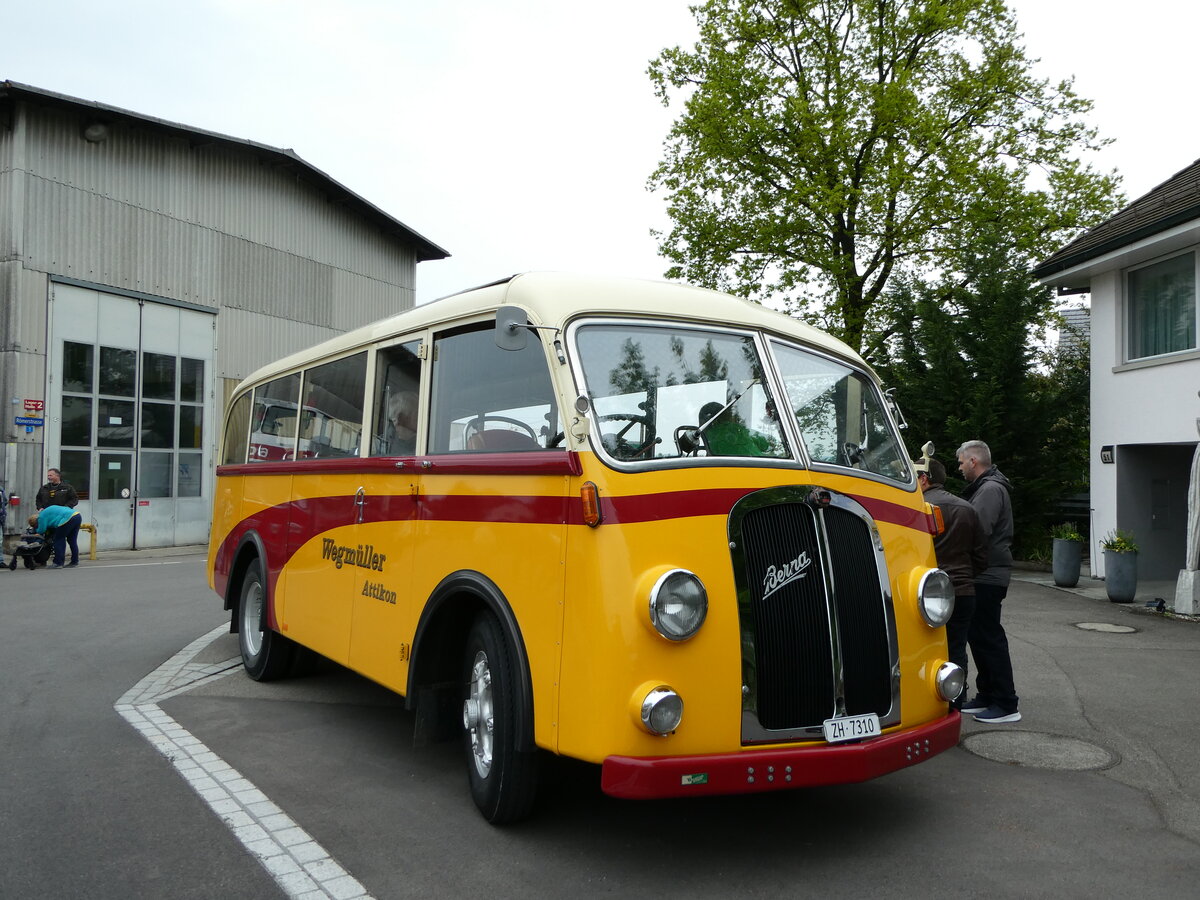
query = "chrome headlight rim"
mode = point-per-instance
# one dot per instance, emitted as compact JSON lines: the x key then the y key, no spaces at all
{"x":951,"y":681}
{"x":661,"y":618}
{"x":935,"y":597}
{"x":662,"y":711}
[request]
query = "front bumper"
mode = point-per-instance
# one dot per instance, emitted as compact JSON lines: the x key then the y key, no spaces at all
{"x":780,"y":769}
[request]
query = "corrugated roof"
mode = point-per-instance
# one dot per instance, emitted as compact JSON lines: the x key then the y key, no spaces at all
{"x":1175,"y":201}
{"x":425,"y":248}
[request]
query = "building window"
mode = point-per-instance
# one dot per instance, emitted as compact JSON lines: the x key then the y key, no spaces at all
{"x":1162,"y":307}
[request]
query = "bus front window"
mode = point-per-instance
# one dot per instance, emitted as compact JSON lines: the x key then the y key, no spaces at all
{"x":663,"y":392}
{"x":840,"y":414}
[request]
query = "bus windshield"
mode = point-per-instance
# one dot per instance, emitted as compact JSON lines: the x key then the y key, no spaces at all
{"x":663,"y":392}
{"x":840,"y":414}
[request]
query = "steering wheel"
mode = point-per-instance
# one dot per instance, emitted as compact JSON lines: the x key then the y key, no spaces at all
{"x":617,"y":445}
{"x":479,"y":424}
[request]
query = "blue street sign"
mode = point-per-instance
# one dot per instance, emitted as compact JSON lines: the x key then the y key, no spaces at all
{"x":25,"y":420}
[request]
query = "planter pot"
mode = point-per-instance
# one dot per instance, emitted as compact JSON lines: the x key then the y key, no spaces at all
{"x":1067,"y":558}
{"x":1120,"y":576}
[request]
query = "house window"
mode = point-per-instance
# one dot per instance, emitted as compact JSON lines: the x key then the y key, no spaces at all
{"x":1162,"y":307}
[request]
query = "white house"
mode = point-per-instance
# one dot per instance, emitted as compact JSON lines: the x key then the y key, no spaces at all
{"x":1141,"y":268}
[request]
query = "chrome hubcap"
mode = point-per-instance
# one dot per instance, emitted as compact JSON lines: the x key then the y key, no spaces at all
{"x":252,"y":635}
{"x":478,"y":716}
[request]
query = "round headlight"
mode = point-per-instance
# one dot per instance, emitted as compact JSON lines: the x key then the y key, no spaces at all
{"x":936,"y":597}
{"x":678,"y":605}
{"x":951,"y":680}
{"x":662,"y":710}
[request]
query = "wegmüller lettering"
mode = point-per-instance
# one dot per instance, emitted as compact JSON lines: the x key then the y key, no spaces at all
{"x":363,"y":556}
{"x":379,"y":592}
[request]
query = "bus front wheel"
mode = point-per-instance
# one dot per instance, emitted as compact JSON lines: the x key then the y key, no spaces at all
{"x":266,"y":654}
{"x":503,"y":779}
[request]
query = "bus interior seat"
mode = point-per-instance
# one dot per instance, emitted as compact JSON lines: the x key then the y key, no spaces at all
{"x":501,"y":439}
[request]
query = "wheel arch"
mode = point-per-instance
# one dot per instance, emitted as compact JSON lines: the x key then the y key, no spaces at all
{"x":249,"y":548}
{"x":433,"y":674}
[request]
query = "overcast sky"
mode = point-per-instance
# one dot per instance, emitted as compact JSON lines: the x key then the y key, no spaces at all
{"x":518,"y":134}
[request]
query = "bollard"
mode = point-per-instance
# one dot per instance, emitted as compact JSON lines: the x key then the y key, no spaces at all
{"x":90,"y":527}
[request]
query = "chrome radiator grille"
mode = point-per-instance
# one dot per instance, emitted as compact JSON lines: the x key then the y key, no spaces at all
{"x":818,"y":636}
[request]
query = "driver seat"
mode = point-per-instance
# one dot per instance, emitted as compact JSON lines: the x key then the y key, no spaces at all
{"x":501,"y":439}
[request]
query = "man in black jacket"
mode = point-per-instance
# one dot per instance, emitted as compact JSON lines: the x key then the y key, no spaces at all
{"x":988,"y":491}
{"x":961,"y":553}
{"x":56,"y":492}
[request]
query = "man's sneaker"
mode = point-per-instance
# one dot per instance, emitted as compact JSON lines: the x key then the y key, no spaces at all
{"x":72,"y":565}
{"x":56,"y":566}
{"x":994,"y":715}
{"x":971,"y":707}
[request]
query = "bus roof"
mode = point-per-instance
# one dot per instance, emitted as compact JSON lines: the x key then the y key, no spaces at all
{"x":554,"y":298}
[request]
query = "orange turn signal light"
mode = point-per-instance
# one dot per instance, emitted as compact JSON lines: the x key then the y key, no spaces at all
{"x":937,"y":523}
{"x":590,"y":495}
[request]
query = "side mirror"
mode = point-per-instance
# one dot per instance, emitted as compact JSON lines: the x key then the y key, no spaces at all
{"x":511,"y":325}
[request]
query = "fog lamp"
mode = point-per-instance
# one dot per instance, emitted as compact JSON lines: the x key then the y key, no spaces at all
{"x":950,"y":680}
{"x":662,"y":710}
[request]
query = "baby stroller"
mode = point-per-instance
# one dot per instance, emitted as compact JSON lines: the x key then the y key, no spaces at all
{"x":33,"y":551}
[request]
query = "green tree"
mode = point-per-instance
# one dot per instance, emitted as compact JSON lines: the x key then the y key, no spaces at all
{"x":838,"y":144}
{"x":967,"y":363}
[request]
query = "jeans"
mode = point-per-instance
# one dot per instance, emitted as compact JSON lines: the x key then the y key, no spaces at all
{"x":956,"y":633}
{"x":66,"y":535}
{"x":989,"y":647}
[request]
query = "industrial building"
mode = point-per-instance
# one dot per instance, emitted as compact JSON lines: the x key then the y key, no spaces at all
{"x":145,"y":268}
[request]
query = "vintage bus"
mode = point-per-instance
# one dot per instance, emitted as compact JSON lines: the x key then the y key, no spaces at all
{"x":644,"y":525}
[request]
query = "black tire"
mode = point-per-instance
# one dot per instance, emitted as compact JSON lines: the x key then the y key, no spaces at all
{"x":503,"y":780}
{"x":266,"y":654}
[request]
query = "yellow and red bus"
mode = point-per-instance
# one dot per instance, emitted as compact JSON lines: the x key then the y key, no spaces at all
{"x":644,"y":525}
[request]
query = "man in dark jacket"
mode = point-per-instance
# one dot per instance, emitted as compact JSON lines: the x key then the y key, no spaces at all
{"x":56,"y":492}
{"x":988,"y":491}
{"x":961,"y":553}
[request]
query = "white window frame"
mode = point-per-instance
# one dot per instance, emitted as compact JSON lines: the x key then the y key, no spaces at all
{"x":1127,"y":310}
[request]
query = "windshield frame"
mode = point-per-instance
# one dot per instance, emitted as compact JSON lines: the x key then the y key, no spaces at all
{"x":792,"y":455}
{"x":797,"y":457}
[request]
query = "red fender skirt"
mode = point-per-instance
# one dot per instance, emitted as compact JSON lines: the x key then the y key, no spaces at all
{"x":773,"y":770}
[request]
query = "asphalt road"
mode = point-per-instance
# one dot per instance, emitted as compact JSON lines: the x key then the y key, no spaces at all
{"x":98,"y":800}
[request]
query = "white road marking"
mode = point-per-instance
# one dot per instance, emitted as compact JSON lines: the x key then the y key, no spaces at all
{"x":299,"y":865}
{"x":176,"y":562}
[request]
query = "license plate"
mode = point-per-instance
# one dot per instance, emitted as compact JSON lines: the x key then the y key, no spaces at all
{"x":851,"y":728}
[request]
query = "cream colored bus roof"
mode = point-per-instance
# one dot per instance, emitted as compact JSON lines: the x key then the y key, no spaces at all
{"x":552,"y":298}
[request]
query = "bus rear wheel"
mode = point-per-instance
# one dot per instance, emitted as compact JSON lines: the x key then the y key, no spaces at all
{"x":266,"y":654}
{"x":503,"y":779}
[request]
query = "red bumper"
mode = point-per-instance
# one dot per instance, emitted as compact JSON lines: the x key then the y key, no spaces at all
{"x":773,"y":770}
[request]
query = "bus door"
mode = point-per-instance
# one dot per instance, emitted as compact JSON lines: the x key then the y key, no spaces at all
{"x":386,"y":508}
{"x":325,"y":559}
{"x":493,"y":500}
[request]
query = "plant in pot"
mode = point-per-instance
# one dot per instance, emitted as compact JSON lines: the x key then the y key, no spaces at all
{"x":1067,"y":554}
{"x":1120,"y":566}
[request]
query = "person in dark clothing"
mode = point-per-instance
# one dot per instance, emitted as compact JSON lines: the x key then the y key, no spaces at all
{"x":988,"y":491}
{"x":961,"y":553}
{"x":55,"y":492}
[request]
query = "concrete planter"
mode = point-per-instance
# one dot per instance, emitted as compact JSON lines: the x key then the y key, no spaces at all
{"x":1067,"y":556}
{"x":1120,"y":576}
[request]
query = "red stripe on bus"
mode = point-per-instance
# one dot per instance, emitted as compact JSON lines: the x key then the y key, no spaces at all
{"x":535,"y":462}
{"x":288,"y":526}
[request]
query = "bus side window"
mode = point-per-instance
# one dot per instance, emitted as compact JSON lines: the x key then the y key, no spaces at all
{"x":397,"y":389}
{"x":491,"y":400}
{"x":237,"y":432}
{"x":273,"y":430}
{"x":331,"y":419}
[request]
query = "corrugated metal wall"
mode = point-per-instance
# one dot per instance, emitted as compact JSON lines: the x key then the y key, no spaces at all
{"x":210,"y":224}
{"x":184,"y":217}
